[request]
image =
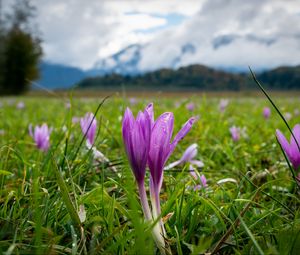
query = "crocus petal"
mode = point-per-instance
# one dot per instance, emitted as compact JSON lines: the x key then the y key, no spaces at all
{"x":235,"y":133}
{"x":30,"y":130}
{"x":136,"y":137}
{"x":197,"y":187}
{"x":296,"y":132}
{"x":198,"y":163}
{"x":160,"y":146}
{"x":283,"y":142}
{"x":182,"y":133}
{"x":203,"y":181}
{"x":173,"y":164}
{"x":89,"y":126}
{"x":193,"y":172}
{"x":190,"y":153}
{"x":291,"y":150}
{"x":150,"y":111}
{"x":127,"y":127}
{"x":294,"y":147}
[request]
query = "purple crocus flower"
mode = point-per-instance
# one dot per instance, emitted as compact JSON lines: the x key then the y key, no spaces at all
{"x":223,"y":104}
{"x":190,"y":106}
{"x":89,"y":126}
{"x":177,"y":104}
{"x":136,"y":137}
{"x":187,"y":157}
{"x":203,"y":182}
{"x":266,"y":112}
{"x":20,"y":105}
{"x":133,"y":101}
{"x":41,"y":136}
{"x":235,"y":133}
{"x":75,"y":120}
{"x":68,"y":105}
{"x":288,"y":116}
{"x":291,"y":148}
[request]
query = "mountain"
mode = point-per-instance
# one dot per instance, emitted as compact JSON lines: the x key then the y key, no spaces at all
{"x":128,"y":60}
{"x":55,"y":76}
{"x":125,"y":67}
{"x":123,"y":62}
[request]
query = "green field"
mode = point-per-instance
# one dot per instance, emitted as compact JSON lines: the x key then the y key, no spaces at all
{"x":250,"y":205}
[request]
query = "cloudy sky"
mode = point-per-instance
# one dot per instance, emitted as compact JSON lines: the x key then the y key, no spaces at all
{"x":218,"y":33}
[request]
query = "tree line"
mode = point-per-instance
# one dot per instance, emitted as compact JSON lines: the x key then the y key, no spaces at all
{"x":20,"y":48}
{"x":198,"y":77}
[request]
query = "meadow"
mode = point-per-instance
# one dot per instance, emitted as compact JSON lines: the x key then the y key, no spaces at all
{"x":65,"y":200}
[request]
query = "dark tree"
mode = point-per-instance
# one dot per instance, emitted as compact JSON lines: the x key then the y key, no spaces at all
{"x":21,"y":61}
{"x":21,"y":50}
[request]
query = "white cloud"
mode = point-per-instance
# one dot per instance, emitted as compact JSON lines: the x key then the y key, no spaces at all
{"x":187,"y":7}
{"x":79,"y":33}
{"x":260,"y":33}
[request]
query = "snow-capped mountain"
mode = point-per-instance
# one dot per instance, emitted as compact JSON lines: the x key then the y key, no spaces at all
{"x":128,"y":60}
{"x":125,"y":61}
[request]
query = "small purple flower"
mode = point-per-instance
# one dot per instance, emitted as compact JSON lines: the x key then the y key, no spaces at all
{"x":177,"y":104}
{"x":75,"y":120}
{"x":68,"y":105}
{"x":203,"y":183}
{"x":266,"y":112}
{"x":41,"y":136}
{"x":288,"y":116}
{"x":89,"y":126}
{"x":223,"y":104}
{"x":291,"y":149}
{"x":188,"y":157}
{"x":20,"y":105}
{"x":190,"y":107}
{"x":235,"y":133}
{"x":203,"y":180}
{"x":133,"y":101}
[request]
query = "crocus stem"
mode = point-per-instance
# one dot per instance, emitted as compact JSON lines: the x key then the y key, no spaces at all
{"x":156,"y":231}
{"x":144,"y":201}
{"x":158,"y":213}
